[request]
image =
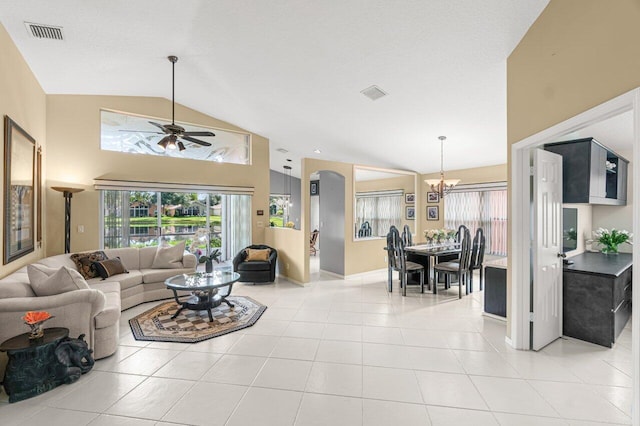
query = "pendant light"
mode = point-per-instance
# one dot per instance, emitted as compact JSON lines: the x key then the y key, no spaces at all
{"x":442,"y":186}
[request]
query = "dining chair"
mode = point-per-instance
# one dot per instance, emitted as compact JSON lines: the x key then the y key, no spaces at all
{"x":458,"y":268}
{"x":398,"y":261}
{"x":477,"y":258}
{"x":407,"y":238}
{"x":312,"y":242}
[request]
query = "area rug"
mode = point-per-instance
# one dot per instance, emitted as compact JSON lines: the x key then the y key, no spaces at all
{"x":194,"y":326}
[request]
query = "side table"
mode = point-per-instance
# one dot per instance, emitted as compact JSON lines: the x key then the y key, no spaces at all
{"x":33,"y":366}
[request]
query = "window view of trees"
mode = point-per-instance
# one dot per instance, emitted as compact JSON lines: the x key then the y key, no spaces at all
{"x":278,"y":210}
{"x":136,"y":219}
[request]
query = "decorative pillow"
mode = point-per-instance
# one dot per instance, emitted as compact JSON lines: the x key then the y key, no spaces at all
{"x":257,"y":254}
{"x":61,"y":281}
{"x":169,"y":257}
{"x":84,"y":263}
{"x":110,"y":267}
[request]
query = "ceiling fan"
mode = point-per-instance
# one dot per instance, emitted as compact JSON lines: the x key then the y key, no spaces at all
{"x":174,"y":133}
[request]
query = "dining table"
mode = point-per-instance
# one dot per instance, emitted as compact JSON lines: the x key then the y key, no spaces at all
{"x":426,"y":255}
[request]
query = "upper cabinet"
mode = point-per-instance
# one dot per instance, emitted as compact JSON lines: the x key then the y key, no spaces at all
{"x":591,"y":172}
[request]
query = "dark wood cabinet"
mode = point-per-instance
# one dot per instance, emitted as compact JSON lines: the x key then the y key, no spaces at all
{"x":591,"y":172}
{"x":596,"y":294}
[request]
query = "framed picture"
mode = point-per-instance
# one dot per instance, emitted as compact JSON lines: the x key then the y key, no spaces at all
{"x":410,"y":198}
{"x":19,"y":191}
{"x":314,"y":187}
{"x":410,"y":213}
{"x":433,"y":197}
{"x":432,"y":213}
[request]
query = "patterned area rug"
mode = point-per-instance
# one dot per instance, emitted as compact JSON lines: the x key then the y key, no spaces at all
{"x":194,"y":326}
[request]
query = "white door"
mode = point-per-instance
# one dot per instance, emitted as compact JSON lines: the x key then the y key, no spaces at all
{"x":547,"y":248}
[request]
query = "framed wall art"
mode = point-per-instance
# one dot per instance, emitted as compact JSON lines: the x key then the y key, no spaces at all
{"x":433,"y":213}
{"x":410,"y":213}
{"x":433,"y":197}
{"x":410,"y":198}
{"x":19,"y":191}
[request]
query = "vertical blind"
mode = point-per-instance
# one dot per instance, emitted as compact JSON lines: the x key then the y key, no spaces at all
{"x":380,"y":209}
{"x":480,"y":209}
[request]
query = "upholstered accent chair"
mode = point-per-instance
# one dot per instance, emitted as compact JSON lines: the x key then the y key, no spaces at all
{"x":256,"y":271}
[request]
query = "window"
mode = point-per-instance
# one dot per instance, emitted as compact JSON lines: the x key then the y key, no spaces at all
{"x":279,"y":205}
{"x":134,"y":134}
{"x":144,"y":218}
{"x":381,"y":209}
{"x":480,"y":209}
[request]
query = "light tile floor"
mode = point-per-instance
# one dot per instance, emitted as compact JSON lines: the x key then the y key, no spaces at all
{"x":346,"y":352}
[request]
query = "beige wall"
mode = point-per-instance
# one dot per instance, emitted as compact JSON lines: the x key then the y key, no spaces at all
{"x":74,"y":158}
{"x":475,"y":175}
{"x":290,"y":245}
{"x":22,"y":99}
{"x":578,"y":54}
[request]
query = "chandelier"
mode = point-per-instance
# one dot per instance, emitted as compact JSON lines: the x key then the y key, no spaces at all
{"x":442,"y":186}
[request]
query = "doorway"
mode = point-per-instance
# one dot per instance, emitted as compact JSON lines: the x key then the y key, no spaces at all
{"x":521,"y":276}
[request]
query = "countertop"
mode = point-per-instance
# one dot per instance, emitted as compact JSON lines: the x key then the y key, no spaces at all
{"x":600,"y":264}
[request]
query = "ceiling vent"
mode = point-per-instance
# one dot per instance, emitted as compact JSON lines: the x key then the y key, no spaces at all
{"x":374,"y":92}
{"x":282,"y":150}
{"x":48,"y":32}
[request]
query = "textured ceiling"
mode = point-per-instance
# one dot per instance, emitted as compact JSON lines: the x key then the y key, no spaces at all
{"x":292,"y":71}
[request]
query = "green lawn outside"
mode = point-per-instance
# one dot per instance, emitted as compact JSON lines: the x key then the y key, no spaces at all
{"x":177,"y":221}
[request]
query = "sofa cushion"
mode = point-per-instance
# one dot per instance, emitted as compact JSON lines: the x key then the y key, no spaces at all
{"x":132,"y":279}
{"x":84,"y":262}
{"x":169,"y":257}
{"x":254,"y":255}
{"x":128,"y":255}
{"x":110,"y":267}
{"x":255,"y":265}
{"x":110,"y":315}
{"x":62,"y":281}
{"x":147,"y":254}
{"x":16,"y":285}
{"x":160,"y":275}
{"x":57,"y":261}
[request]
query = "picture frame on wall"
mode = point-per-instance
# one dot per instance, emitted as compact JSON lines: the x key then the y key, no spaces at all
{"x":19,"y":191}
{"x":433,"y":197}
{"x":314,"y":187}
{"x":410,"y":213}
{"x":410,"y":198}
{"x":433,"y":213}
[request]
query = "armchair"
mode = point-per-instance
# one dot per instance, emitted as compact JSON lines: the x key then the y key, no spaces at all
{"x":256,"y":271}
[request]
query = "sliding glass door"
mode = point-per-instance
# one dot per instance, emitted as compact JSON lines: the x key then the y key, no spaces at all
{"x":203,"y":220}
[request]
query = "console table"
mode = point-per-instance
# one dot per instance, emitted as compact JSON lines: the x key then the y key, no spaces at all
{"x":596,"y":297}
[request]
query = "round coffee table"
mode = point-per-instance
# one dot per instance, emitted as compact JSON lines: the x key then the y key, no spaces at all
{"x":207,"y":290}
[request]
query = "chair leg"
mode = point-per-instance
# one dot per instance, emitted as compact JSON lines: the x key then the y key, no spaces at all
{"x":404,"y":284}
{"x":481,"y":277}
{"x":436,"y":275}
{"x":389,"y":279}
{"x":447,"y":281}
{"x":460,"y":280}
{"x":422,"y":281}
{"x":470,"y":281}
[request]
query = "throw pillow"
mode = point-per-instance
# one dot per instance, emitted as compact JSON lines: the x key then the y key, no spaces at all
{"x":84,"y":263}
{"x":257,"y":255}
{"x":169,"y":257}
{"x":110,"y":267}
{"x":62,"y":281}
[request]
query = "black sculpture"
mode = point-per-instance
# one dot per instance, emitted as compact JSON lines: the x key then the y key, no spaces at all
{"x":75,"y":359}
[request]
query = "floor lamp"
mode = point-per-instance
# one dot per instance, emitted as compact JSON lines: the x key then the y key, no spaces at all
{"x":67,"y":193}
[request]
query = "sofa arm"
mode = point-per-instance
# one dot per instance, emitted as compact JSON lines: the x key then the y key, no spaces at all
{"x":189,"y":260}
{"x":74,"y":310}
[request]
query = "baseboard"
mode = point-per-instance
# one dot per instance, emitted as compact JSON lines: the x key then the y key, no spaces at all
{"x":493,"y":316}
{"x":362,"y":274}
{"x":333,"y":274}
{"x":284,"y":277}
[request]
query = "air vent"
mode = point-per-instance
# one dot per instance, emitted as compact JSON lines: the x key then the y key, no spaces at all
{"x":374,"y":92}
{"x":282,"y":150}
{"x":49,"y":32}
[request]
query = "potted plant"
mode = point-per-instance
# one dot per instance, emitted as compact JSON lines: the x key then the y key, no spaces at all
{"x":208,"y":259}
{"x":610,"y":240}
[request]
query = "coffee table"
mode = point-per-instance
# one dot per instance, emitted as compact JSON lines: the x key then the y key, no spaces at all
{"x":208,"y":290}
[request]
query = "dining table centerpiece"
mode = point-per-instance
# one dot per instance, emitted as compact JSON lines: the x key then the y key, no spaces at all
{"x":610,"y":240}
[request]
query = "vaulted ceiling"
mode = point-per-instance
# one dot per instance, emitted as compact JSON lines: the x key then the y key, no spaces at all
{"x":293,"y":70}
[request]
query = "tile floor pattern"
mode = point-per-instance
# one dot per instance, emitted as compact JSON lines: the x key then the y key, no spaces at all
{"x":345,"y":352}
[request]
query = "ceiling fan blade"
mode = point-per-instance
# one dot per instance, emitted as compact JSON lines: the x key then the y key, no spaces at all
{"x":198,"y":133}
{"x":160,"y":126}
{"x":194,"y":140}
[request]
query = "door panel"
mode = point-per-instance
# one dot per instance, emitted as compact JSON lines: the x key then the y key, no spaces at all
{"x":547,"y":244}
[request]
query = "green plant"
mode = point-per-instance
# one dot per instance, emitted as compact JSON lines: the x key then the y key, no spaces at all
{"x":213,"y":255}
{"x":610,"y":240}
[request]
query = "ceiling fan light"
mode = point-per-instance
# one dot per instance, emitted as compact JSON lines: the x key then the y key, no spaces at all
{"x":172,"y":142}
{"x":163,"y":143}
{"x":181,"y":146}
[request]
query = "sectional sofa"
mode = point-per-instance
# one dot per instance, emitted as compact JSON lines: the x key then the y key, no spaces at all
{"x":93,"y":311}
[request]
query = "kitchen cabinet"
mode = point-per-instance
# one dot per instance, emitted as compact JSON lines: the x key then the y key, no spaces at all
{"x":591,"y":173}
{"x":596,"y":297}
